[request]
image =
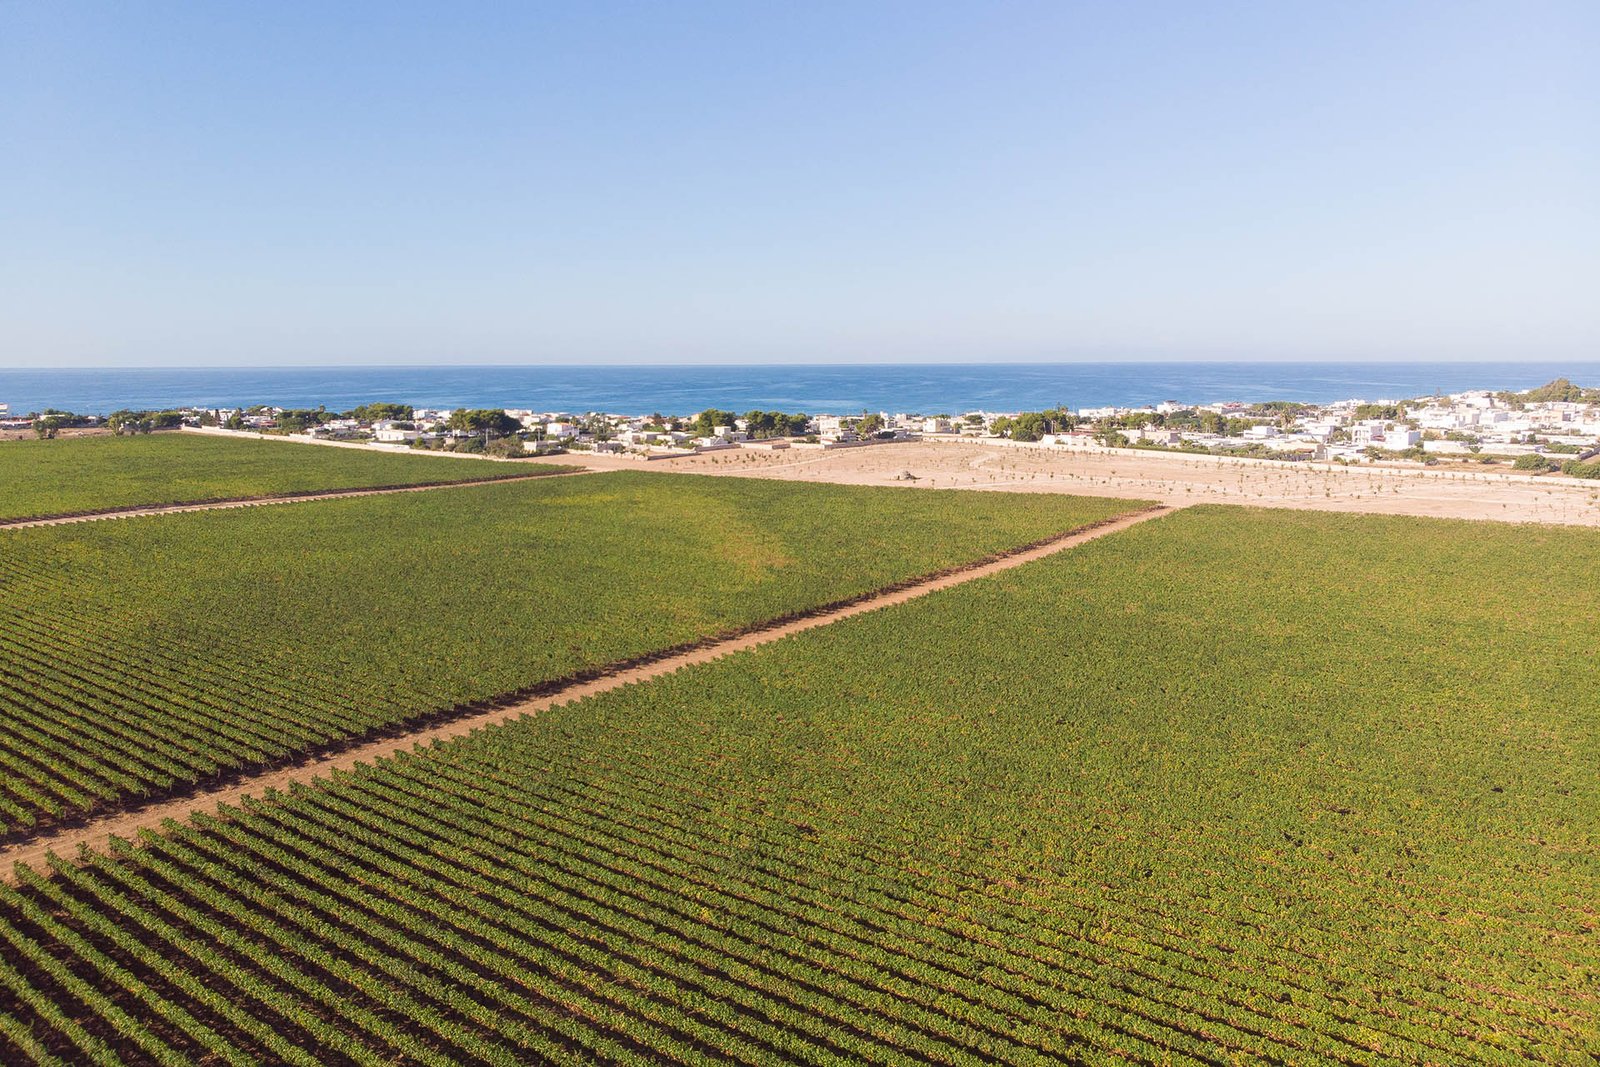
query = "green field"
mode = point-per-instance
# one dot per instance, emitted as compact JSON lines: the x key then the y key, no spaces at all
{"x":145,"y":654}
{"x":82,"y":474}
{"x":1231,"y":786}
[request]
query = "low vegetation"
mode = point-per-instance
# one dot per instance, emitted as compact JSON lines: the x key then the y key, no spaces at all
{"x":143,"y":655}
{"x":64,"y":477}
{"x":1561,"y":390}
{"x":1182,"y":795}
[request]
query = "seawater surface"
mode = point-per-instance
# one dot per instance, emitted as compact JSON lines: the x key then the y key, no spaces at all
{"x":925,"y":388}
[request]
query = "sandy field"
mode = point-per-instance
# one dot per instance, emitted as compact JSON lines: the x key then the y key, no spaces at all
{"x":1171,"y":478}
{"x":71,"y":431}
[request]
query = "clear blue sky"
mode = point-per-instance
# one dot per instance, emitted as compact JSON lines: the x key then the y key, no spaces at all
{"x":272,"y":183}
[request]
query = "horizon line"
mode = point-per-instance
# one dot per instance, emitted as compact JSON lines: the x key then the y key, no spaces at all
{"x":1583,"y":362}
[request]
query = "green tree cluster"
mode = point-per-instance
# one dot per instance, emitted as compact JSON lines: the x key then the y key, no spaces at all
{"x":775,"y":424}
{"x":1033,"y":425}
{"x":46,"y":423}
{"x":1364,"y":412}
{"x":1559,"y":391}
{"x":708,"y":420}
{"x":486,"y":421}
{"x":296,"y":420}
{"x":135,"y":422}
{"x":380,"y":411}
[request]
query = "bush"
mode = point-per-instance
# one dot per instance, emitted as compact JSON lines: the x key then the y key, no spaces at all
{"x":1533,"y":461}
{"x":1581,"y":470}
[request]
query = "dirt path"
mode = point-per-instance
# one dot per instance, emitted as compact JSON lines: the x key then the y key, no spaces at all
{"x":264,"y":501}
{"x":96,"y":833}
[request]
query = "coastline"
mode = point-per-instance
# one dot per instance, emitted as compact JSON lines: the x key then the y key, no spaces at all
{"x":812,"y":388}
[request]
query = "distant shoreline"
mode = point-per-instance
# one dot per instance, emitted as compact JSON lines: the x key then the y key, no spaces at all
{"x":812,"y":388}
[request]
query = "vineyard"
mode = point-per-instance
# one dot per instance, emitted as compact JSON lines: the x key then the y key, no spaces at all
{"x":142,"y":657}
{"x":1231,"y":786}
{"x":68,"y":477}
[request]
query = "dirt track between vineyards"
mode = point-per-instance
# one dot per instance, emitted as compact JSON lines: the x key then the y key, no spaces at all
{"x":96,"y":833}
{"x":138,"y":511}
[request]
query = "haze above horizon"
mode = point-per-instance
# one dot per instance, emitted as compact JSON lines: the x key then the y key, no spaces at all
{"x":723,"y":183}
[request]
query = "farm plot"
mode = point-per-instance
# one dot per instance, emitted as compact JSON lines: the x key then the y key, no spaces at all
{"x":139,"y":658}
{"x":1231,"y":786}
{"x":84,"y":474}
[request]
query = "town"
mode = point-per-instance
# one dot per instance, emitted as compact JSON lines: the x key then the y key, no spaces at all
{"x":1553,"y":428}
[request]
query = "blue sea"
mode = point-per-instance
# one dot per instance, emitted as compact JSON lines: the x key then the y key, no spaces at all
{"x":813,"y":389}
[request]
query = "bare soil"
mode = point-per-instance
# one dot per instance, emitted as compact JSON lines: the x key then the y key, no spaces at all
{"x":62,"y":434}
{"x":1173,"y":478}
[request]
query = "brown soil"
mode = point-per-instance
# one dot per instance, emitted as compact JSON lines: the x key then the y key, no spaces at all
{"x":71,"y":431}
{"x":1171,"y":477}
{"x":96,"y":833}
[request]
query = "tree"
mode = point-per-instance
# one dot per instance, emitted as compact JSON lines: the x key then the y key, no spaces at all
{"x":486,"y":421}
{"x":1561,"y":389}
{"x":128,"y":422}
{"x":45,"y":428}
{"x":762,"y":424}
{"x":299,"y":419}
{"x":1387,"y":412}
{"x":706,"y":423}
{"x":1029,"y":426}
{"x":125,"y":421}
{"x":507,"y":447}
{"x":869,"y":424}
{"x":381,"y":411}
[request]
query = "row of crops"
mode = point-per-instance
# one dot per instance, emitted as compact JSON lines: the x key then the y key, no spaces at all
{"x":143,"y":656}
{"x":85,"y":474}
{"x":1181,"y":795}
